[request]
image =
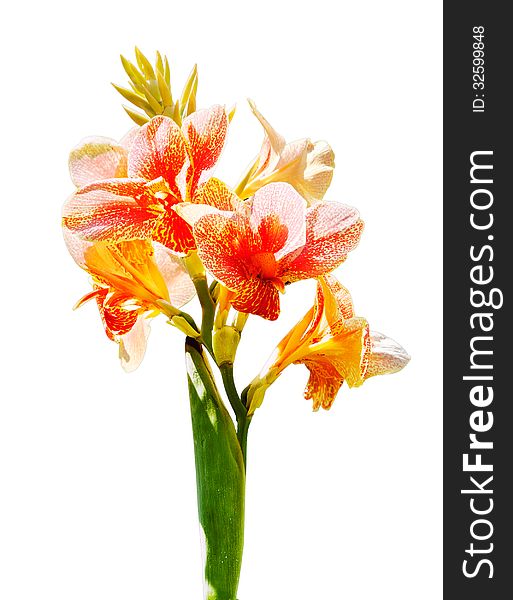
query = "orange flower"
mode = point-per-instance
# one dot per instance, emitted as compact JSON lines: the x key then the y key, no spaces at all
{"x":127,"y":194}
{"x":334,"y":345}
{"x":306,"y":165}
{"x":270,"y":241}
{"x":132,"y":281}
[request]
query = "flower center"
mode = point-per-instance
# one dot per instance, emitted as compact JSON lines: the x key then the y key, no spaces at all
{"x":264,"y":264}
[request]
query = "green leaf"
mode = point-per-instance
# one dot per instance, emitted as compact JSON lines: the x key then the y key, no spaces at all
{"x":220,"y":478}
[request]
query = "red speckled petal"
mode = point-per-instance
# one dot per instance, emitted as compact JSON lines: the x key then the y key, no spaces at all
{"x":174,"y":233}
{"x":205,"y":131}
{"x":224,"y":245}
{"x":217,"y":194}
{"x":332,"y":231}
{"x":97,"y":158}
{"x":338,"y":301}
{"x":158,"y":150}
{"x":258,"y":297}
{"x":278,"y":214}
{"x":323,"y":384}
{"x":116,"y":320}
{"x":114,"y":210}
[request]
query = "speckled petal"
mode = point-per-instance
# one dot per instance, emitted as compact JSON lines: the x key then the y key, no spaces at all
{"x":158,"y":150}
{"x":278,"y":214}
{"x":323,"y":384}
{"x":113,"y":210}
{"x":258,"y":297}
{"x":386,"y":356}
{"x":205,"y":131}
{"x":332,"y":231}
{"x":224,"y":245}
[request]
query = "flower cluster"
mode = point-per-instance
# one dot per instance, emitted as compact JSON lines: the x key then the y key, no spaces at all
{"x":153,"y":227}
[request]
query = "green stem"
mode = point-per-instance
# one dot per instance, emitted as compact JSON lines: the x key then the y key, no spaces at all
{"x":239,"y":408}
{"x":208,"y":311}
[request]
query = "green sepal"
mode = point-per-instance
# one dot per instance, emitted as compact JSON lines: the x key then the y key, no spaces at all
{"x":220,"y":477}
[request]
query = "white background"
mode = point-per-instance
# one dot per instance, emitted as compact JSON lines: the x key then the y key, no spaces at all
{"x":97,"y":484}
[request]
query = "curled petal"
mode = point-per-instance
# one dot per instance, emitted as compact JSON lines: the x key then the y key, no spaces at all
{"x":205,"y":131}
{"x":180,"y":286}
{"x":386,"y":356}
{"x":273,"y":143}
{"x":132,"y":345}
{"x":109,"y":211}
{"x":158,"y":150}
{"x":317,"y":174}
{"x":338,"y":302}
{"x":323,"y":384}
{"x":97,"y":158}
{"x":278,"y":215}
{"x":332,"y":231}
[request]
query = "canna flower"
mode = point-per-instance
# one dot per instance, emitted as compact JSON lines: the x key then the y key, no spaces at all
{"x":271,"y":240}
{"x":306,"y":165}
{"x":127,"y":191}
{"x":132,"y":281}
{"x":334,"y":345}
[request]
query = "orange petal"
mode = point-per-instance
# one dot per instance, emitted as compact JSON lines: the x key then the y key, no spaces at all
{"x":174,"y":233}
{"x":258,"y":297}
{"x":110,"y":211}
{"x":205,"y":131}
{"x":224,"y":245}
{"x":217,"y":194}
{"x":97,"y":158}
{"x":323,"y":384}
{"x":158,"y":150}
{"x":278,"y":214}
{"x":332,"y":231}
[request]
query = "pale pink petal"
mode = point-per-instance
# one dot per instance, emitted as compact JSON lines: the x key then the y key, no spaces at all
{"x":132,"y":345}
{"x":128,"y":139}
{"x":97,"y":158}
{"x":386,"y":356}
{"x":158,"y":150}
{"x":278,"y":215}
{"x":332,"y":231}
{"x":205,"y":131}
{"x":171,"y":267}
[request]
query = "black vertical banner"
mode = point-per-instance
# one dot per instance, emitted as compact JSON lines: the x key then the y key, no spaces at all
{"x":478,"y":267}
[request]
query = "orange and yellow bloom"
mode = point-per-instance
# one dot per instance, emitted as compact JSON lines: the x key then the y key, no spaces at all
{"x":335,"y":346}
{"x":132,"y":281}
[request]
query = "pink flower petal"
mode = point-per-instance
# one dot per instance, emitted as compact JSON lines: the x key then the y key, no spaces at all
{"x":132,"y":345}
{"x":158,"y":150}
{"x":278,"y":215}
{"x":332,"y":231}
{"x":97,"y":158}
{"x":205,"y":131}
{"x":180,"y":286}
